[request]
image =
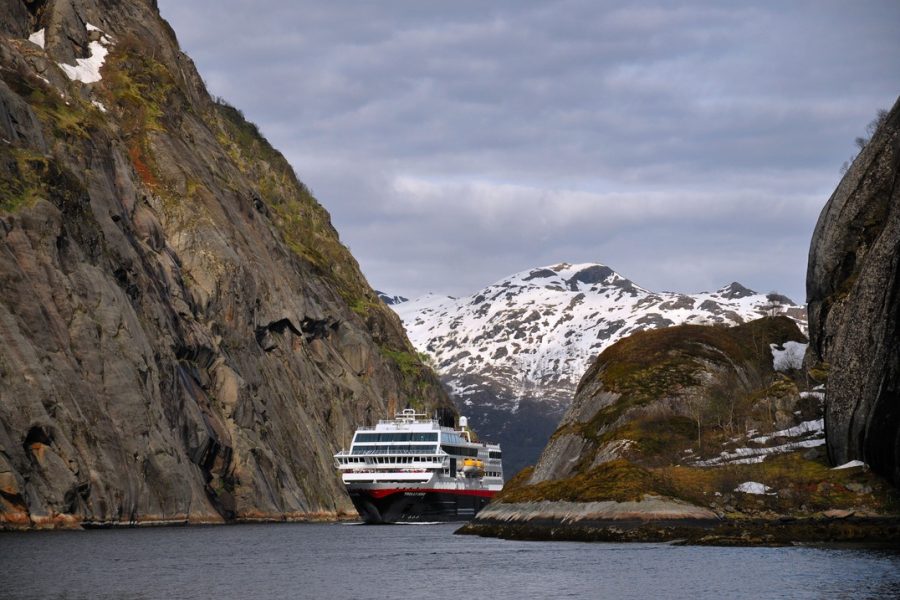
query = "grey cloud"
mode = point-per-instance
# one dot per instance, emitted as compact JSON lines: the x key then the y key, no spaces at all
{"x":721,"y":124}
{"x":511,"y":228}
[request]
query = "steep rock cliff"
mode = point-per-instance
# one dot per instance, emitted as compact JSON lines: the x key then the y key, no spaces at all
{"x":853,"y":290}
{"x":182,"y":335}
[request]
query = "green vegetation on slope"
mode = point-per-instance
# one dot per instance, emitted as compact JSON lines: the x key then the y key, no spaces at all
{"x":654,"y":365}
{"x":308,"y":232}
{"x":801,"y":486}
{"x":617,"y":480}
{"x":139,"y":89}
{"x":26,"y":175}
{"x":305,"y":225}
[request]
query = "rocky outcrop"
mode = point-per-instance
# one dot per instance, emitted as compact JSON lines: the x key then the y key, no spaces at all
{"x":648,"y":509}
{"x":593,"y":521}
{"x":183,"y":338}
{"x":853,"y":290}
{"x":707,"y":434}
{"x":653,"y":395}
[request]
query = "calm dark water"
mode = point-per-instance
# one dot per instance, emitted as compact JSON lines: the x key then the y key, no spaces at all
{"x":416,"y":561}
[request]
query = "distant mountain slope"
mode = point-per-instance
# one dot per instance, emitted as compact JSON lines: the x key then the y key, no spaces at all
{"x":391,"y":300}
{"x":513,"y":353}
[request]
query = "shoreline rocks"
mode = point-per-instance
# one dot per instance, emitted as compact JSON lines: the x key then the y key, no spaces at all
{"x":73,"y":522}
{"x":650,"y":509}
{"x":552,"y":522}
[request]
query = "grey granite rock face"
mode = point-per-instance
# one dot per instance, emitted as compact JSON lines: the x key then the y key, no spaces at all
{"x":560,"y":458}
{"x":853,"y":290}
{"x":183,"y":338}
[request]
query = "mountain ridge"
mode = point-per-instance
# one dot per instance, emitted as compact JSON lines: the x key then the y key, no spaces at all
{"x":521,"y":344}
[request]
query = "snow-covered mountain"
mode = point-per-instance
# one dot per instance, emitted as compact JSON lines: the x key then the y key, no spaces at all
{"x":513,"y":353}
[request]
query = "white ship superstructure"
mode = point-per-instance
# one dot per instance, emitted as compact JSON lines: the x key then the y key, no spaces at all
{"x":411,"y":468}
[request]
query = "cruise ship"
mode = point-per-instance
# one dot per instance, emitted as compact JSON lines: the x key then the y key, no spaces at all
{"x":412,"y":468}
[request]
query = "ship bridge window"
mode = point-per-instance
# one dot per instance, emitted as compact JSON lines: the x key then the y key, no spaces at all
{"x":420,"y":436}
{"x":451,"y":438}
{"x":495,"y":454}
{"x":459,"y":450}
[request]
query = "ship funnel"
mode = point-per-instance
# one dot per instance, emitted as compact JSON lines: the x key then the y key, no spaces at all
{"x":463,"y":422}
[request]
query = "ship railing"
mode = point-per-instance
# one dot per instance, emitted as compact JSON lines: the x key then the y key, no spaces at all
{"x":424,"y":457}
{"x":383,"y":422}
{"x":404,"y":422}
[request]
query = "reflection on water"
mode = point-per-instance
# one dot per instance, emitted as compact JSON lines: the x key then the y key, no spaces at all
{"x":336,"y":561}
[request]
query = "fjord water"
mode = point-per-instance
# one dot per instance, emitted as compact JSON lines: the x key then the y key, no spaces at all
{"x":416,"y":561}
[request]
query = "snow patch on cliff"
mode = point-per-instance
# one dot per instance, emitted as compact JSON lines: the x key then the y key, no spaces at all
{"x":37,"y":37}
{"x":87,"y":70}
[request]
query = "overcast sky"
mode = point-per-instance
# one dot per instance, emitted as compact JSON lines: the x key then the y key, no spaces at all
{"x":684,"y":144}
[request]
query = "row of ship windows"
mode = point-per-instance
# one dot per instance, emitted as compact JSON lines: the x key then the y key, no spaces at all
{"x":407,"y":460}
{"x":395,"y":449}
{"x":396,"y":437}
{"x":415,"y":449}
{"x":418,"y":449}
{"x":486,"y":473}
{"x":404,"y":459}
